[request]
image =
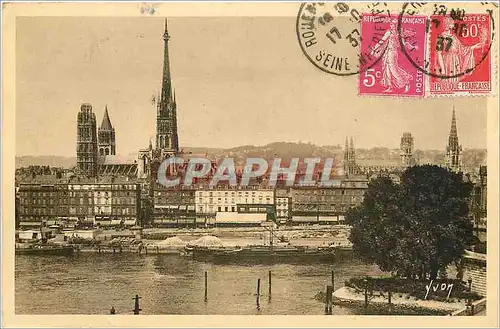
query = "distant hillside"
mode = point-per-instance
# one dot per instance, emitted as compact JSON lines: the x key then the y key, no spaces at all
{"x":373,"y":156}
{"x":45,"y":160}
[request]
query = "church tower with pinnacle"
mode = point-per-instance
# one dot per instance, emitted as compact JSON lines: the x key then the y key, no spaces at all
{"x":167,"y":142}
{"x":106,"y":136}
{"x":453,"y":160}
{"x":350,"y":167}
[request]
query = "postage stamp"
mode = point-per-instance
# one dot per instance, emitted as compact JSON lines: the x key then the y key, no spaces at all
{"x":392,"y":74}
{"x":461,"y":46}
{"x":459,"y":52}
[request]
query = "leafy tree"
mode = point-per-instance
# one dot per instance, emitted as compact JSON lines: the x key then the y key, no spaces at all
{"x":414,"y":228}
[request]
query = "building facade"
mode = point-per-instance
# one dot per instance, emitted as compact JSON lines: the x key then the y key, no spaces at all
{"x":78,"y":204}
{"x":86,"y":141}
{"x":327,"y":205}
{"x":173,"y":207}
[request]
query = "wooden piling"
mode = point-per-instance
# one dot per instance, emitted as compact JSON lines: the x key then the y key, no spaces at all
{"x":206,"y":286}
{"x":389,"y":297}
{"x":328,"y":300}
{"x":258,"y":294}
{"x":333,"y":280}
{"x":366,"y":296}
{"x":270,"y":284}
{"x":137,"y":308}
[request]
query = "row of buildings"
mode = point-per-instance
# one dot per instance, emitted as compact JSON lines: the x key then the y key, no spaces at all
{"x":109,"y":190}
{"x":104,"y":202}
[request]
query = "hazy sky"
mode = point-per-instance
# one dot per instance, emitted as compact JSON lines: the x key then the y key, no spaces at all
{"x":238,"y":81}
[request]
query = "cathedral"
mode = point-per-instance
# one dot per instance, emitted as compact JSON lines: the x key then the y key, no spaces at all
{"x":96,"y":147}
{"x":167,"y":141}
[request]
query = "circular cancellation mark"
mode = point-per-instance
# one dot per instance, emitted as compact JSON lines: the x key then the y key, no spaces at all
{"x":459,"y":41}
{"x":329,"y":35}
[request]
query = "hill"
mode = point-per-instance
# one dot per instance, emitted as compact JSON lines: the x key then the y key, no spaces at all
{"x":374,"y":156}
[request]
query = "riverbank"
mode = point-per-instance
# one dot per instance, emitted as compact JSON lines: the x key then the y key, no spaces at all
{"x":316,"y":235}
{"x":347,"y":296}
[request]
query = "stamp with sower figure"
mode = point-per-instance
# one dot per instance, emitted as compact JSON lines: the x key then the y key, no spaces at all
{"x":392,"y":74}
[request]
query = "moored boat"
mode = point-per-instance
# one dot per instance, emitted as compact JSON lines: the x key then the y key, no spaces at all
{"x":41,"y":249}
{"x":262,"y":254}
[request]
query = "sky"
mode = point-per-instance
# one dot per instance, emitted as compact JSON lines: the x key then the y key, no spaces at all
{"x":238,"y":81}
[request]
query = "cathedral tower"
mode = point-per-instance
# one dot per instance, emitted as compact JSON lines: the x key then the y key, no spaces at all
{"x":350,"y":167}
{"x":106,"y":136}
{"x":453,"y":160}
{"x":86,"y":148}
{"x":407,"y":159}
{"x":166,"y":117}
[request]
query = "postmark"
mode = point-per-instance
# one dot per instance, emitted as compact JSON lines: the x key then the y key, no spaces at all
{"x":460,"y":42}
{"x":330,"y":37}
{"x":392,"y":74}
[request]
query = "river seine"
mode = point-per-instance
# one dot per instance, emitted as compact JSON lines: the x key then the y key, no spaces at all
{"x":171,"y":284}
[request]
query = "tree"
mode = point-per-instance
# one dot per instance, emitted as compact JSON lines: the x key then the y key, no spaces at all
{"x":414,"y":228}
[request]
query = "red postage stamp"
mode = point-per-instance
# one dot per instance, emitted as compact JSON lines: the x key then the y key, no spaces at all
{"x":460,"y":54}
{"x":391,"y":74}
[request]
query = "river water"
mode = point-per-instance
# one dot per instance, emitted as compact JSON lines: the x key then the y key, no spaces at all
{"x":171,"y":284}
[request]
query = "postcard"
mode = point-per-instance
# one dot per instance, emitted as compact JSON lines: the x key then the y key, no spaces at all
{"x":212,"y":164}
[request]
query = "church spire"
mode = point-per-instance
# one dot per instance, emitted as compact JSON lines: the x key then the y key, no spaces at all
{"x":106,"y":122}
{"x":454,"y":149}
{"x":166,"y":89}
{"x":453,"y":138}
{"x":166,"y":119}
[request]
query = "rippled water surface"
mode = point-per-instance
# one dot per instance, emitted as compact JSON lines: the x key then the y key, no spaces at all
{"x":92,"y":283}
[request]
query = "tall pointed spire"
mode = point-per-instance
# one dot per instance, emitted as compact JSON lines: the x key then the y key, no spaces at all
{"x":166,"y":89}
{"x":453,"y":131}
{"x":453,"y":149}
{"x":352,"y":145}
{"x":166,"y":119}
